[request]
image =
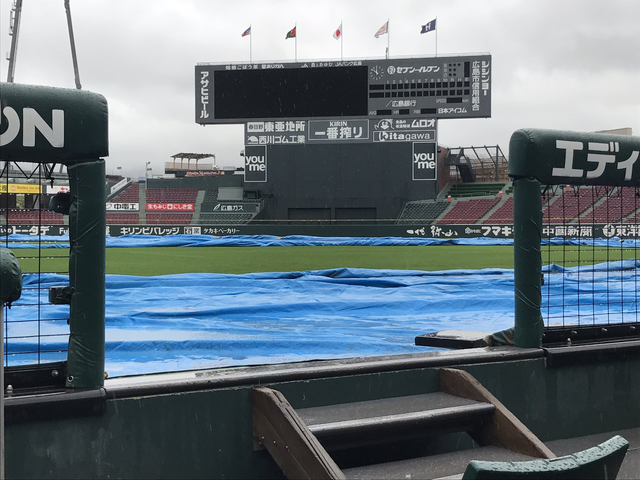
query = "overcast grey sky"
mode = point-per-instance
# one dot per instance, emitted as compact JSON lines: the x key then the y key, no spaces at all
{"x":565,"y":64}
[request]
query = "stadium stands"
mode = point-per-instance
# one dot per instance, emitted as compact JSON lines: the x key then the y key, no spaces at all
{"x":225,"y":218}
{"x":33,"y":217}
{"x":571,"y":204}
{"x":503,"y":215}
{"x":459,"y":190}
{"x":619,"y":204}
{"x":469,"y":211}
{"x":168,"y":218}
{"x":172,"y":195}
{"x":130,"y":195}
{"x":426,"y":212}
{"x":122,"y":218}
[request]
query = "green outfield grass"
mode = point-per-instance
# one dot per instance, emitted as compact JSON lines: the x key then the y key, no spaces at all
{"x":169,"y":260}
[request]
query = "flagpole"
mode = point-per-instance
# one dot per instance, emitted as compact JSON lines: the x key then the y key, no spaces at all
{"x":388,"y":39}
{"x":296,"y":38}
{"x":341,"y":40}
{"x":250,"y":45}
{"x":436,"y":36}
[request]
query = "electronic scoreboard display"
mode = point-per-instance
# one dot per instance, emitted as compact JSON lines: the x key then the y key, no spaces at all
{"x":435,"y":87}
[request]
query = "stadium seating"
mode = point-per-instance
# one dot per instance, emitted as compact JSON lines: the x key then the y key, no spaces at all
{"x":619,"y":204}
{"x":168,"y":218}
{"x":172,"y":195}
{"x":122,"y":218}
{"x":225,"y":218}
{"x":469,"y":211}
{"x":33,"y":217}
{"x":426,"y":212}
{"x":571,"y":204}
{"x":130,"y":195}
{"x":503,"y":215}
{"x":459,"y":190}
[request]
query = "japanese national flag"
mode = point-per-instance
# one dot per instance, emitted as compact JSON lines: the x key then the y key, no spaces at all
{"x":338,"y":33}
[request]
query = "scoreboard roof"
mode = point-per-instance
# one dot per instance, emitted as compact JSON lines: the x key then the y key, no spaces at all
{"x":434,"y":87}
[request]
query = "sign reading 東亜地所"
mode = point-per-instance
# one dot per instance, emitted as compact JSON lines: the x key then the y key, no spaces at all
{"x":340,"y":130}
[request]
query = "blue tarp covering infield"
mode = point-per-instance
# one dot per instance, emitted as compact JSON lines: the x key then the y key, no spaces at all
{"x":190,"y":321}
{"x":129,"y":241}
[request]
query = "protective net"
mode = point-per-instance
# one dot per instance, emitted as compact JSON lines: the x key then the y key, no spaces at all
{"x":42,"y":334}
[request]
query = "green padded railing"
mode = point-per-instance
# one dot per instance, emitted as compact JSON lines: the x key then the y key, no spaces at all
{"x":68,"y":126}
{"x":551,"y":157}
{"x":600,"y":462}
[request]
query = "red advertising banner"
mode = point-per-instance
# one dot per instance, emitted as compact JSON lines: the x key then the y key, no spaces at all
{"x":170,"y":207}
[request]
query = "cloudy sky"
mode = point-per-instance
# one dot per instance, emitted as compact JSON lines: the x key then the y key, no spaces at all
{"x":565,"y":64}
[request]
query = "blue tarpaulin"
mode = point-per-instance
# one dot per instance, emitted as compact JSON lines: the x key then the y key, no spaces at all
{"x":191,"y":321}
{"x":127,"y":241}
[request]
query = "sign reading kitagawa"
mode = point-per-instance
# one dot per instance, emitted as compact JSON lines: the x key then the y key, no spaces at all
{"x":340,"y":130}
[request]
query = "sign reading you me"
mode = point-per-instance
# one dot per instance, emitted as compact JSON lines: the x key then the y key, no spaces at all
{"x":424,"y":161}
{"x":255,"y":163}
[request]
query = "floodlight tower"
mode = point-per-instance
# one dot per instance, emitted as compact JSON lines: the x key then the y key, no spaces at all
{"x":14,"y":30}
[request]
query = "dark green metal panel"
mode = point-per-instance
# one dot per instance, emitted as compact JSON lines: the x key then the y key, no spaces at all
{"x":208,"y":433}
{"x":87,"y":224}
{"x":600,"y":462}
{"x":556,"y":157}
{"x":52,"y":125}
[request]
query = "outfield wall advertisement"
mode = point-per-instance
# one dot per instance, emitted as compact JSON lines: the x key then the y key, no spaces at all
{"x":622,"y":231}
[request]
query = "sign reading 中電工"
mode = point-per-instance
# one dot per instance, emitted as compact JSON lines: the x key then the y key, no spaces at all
{"x":425,"y":161}
{"x":255,"y":163}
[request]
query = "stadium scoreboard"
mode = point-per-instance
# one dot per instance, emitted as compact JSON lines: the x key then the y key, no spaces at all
{"x":433,"y":87}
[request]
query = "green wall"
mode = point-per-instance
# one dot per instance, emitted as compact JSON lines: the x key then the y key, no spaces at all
{"x":207,"y":434}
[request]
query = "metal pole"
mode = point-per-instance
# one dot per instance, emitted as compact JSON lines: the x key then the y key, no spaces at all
{"x":437,"y":36}
{"x":73,"y":45}
{"x":388,"y":39}
{"x":250,"y":45}
{"x":14,"y":40}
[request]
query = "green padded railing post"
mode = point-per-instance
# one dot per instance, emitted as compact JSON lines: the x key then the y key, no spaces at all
{"x":527,"y":232}
{"x":10,"y":291}
{"x":71,"y":127}
{"x":553,"y":157}
{"x":87,"y":226}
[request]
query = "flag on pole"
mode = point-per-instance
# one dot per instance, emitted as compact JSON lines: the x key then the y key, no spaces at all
{"x":291,"y":33}
{"x":247,"y":32}
{"x":429,"y":27}
{"x":383,"y":29}
{"x":338,"y":33}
